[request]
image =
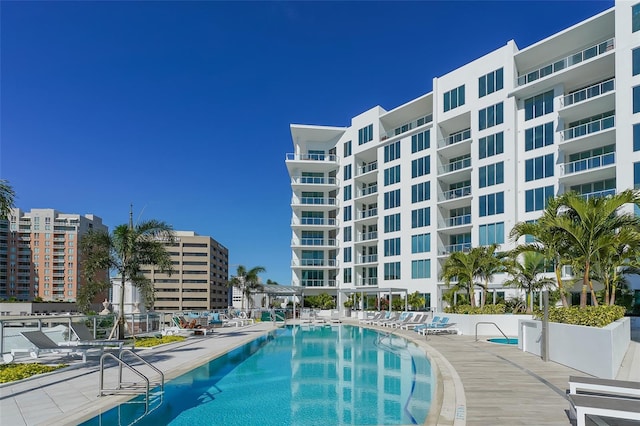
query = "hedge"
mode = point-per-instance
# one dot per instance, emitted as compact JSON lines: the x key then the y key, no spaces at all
{"x":592,"y":316}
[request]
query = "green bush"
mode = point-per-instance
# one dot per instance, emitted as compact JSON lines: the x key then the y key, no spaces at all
{"x":147,"y":342}
{"x":468,"y":310}
{"x":592,"y":316}
{"x":13,"y":372}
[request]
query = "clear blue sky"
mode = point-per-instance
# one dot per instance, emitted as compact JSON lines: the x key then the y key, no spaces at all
{"x":183,"y":109}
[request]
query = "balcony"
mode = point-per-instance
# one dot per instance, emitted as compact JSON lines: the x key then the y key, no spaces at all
{"x":368,"y":213}
{"x":318,"y":283}
{"x":406,"y":127}
{"x":457,"y":221}
{"x":583,"y":131}
{"x":370,"y":258}
{"x":313,"y":201}
{"x":314,"y":221}
{"x":598,"y":194}
{"x":454,"y":194}
{"x":596,"y":162}
{"x":370,"y":190}
{"x":314,"y":242}
{"x":367,"y":168}
{"x":587,"y":93}
{"x":299,"y":263}
{"x":463,"y":163}
{"x":368,"y":281}
{"x":458,"y":137}
{"x":326,"y":158}
{"x":566,"y":62}
{"x":453,"y":248}
{"x":314,"y":181}
{"x":368,"y":236}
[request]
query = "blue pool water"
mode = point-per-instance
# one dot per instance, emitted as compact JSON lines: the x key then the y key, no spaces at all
{"x":502,"y":341}
{"x":340,"y":375}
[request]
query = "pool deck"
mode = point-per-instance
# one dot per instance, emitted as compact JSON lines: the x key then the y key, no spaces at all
{"x":482,"y":383}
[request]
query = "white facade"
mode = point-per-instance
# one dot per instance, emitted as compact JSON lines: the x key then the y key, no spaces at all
{"x":461,"y":165}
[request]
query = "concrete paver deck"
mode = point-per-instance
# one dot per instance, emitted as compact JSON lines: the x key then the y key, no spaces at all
{"x":480,"y":383}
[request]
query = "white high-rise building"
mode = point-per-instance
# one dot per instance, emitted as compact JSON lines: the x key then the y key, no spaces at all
{"x":380,"y":204}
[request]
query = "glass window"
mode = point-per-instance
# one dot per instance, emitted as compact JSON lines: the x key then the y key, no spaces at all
{"x":420,"y":192}
{"x":538,"y":106}
{"x":420,"y":217}
{"x":636,"y":137}
{"x":421,"y":243}
{"x":539,"y":167}
{"x":392,"y":271}
{"x":365,"y":134}
{"x":421,"y":268}
{"x":347,"y":172}
{"x":392,"y":223}
{"x":636,"y":61}
{"x":392,"y":175}
{"x":636,"y":99}
{"x":491,"y":204}
{"x":392,"y":247}
{"x":392,"y":199}
{"x":536,"y":199}
{"x":347,"y":193}
{"x":421,"y":141}
{"x":347,"y":148}
{"x":491,"y":116}
{"x":492,"y":233}
{"x":636,"y":175}
{"x":347,"y":254}
{"x":347,"y":213}
{"x":421,"y":166}
{"x":454,"y":98}
{"x":493,"y":174}
{"x":347,"y":275}
{"x":491,"y":145}
{"x":635,"y":18}
{"x":392,"y":152}
{"x":347,"y":234}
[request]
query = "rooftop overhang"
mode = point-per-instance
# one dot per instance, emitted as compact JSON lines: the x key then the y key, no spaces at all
{"x":307,"y":133}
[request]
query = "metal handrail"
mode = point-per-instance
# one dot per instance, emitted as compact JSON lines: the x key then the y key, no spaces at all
{"x":121,"y":363}
{"x":487,"y":322}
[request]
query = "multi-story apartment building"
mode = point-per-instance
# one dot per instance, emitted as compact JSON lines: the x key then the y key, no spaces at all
{"x":200,"y":277}
{"x":39,"y":254}
{"x":381,"y":203}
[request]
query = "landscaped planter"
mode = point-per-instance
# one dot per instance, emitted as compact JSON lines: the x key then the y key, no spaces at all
{"x":592,"y":350}
{"x":508,"y":323}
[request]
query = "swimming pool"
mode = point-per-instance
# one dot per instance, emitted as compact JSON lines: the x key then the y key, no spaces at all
{"x":300,"y":375}
{"x":511,"y":341}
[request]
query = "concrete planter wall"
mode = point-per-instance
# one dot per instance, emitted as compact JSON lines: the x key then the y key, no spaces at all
{"x":467,"y":323}
{"x":592,"y":350}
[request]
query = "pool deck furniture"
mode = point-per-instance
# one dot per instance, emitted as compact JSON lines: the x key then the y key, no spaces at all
{"x":85,"y":337}
{"x":620,"y":408}
{"x":448,"y":328}
{"x":416,"y":321}
{"x":405,"y":320}
{"x":41,"y":343}
{"x":377,"y":316}
{"x":393,"y":316}
{"x":608,"y":387}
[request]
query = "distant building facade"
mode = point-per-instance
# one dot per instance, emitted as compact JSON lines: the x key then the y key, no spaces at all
{"x":199,"y":280}
{"x":39,"y":254}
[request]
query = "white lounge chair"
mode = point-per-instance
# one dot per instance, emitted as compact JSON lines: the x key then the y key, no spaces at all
{"x":620,"y":408}
{"x":377,"y":316}
{"x":417,"y":320}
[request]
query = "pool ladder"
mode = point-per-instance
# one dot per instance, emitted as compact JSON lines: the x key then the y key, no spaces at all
{"x":133,"y":388}
{"x":486,"y":322}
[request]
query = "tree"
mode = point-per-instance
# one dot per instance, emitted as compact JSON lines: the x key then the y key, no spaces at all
{"x":124,"y":251}
{"x":549,"y":242}
{"x":489,"y":264}
{"x":470,"y":269}
{"x":416,"y":300}
{"x":247,"y":281}
{"x":7,"y":197}
{"x":526,"y":270}
{"x":589,"y":226}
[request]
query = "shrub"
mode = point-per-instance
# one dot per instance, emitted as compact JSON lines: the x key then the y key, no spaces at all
{"x":468,"y":310}
{"x":147,"y":342}
{"x":13,"y":372}
{"x":592,"y":316}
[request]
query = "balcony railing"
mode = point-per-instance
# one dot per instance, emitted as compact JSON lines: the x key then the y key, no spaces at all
{"x":589,"y":163}
{"x":367,"y":168}
{"x":329,"y":158}
{"x":368,"y":213}
{"x":598,"y":194}
{"x":453,"y":248}
{"x":563,"y":63}
{"x":309,"y":180}
{"x":317,"y":221}
{"x":456,"y":193}
{"x":406,"y":127}
{"x":588,"y":128}
{"x":368,"y":281}
{"x":455,"y":138}
{"x":458,"y":220}
{"x":314,"y":201}
{"x":314,"y":242}
{"x":367,"y":191}
{"x":370,"y":258}
{"x":314,"y":262}
{"x":368,"y":236}
{"x":587,"y":93}
{"x":318,"y":283}
{"x":456,"y":165}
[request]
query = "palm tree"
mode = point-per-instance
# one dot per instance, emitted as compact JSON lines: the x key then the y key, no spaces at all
{"x":7,"y":197}
{"x":617,"y":260}
{"x":125,"y":251}
{"x":589,"y":226}
{"x":526,"y":270}
{"x":490,"y":263}
{"x":247,"y":281}
{"x":470,"y":269}
{"x":548,"y":242}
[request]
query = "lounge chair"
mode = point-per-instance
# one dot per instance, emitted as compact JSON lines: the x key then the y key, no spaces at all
{"x":607,"y":387}
{"x":418,"y":319}
{"x":377,"y":316}
{"x":419,"y":327}
{"x":40,"y":342}
{"x":404,"y":318}
{"x":391,"y":316}
{"x":335,"y":317}
{"x":620,"y":408}
{"x":183,"y":327}
{"x":84,"y":337}
{"x":443,"y":327}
